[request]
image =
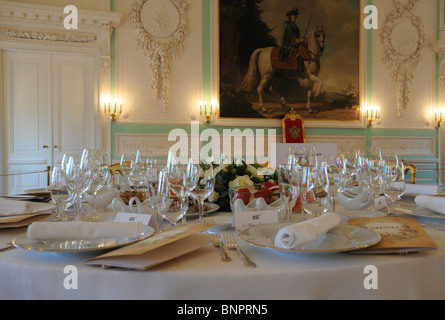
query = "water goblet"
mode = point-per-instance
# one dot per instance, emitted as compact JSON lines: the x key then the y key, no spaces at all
{"x":394,"y":185}
{"x":289,"y":188}
{"x":60,"y":195}
{"x":204,"y":187}
{"x":315,"y":185}
{"x":170,"y":207}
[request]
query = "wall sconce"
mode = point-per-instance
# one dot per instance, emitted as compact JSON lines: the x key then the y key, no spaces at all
{"x":372,"y":115}
{"x":113,"y":110}
{"x":438,"y":119}
{"x":208,"y":112}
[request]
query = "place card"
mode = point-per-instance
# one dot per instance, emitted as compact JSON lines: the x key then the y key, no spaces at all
{"x":146,"y":219}
{"x":248,"y":219}
{"x":380,"y":203}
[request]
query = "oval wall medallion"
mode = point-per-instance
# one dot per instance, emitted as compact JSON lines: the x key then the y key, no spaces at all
{"x":403,"y":38}
{"x":161,"y":28}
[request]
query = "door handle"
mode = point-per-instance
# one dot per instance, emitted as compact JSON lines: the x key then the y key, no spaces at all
{"x":55,"y":146}
{"x":45,"y":147}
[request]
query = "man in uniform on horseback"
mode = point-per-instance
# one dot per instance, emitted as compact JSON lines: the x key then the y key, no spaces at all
{"x":291,"y":43}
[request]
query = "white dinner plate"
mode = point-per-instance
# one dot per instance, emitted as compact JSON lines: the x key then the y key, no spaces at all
{"x":342,"y":238}
{"x":411,"y":208}
{"x":24,"y":242}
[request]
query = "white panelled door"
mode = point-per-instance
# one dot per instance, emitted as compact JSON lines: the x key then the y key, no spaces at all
{"x":49,"y":111}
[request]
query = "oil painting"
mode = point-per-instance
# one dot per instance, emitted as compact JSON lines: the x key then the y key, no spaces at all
{"x":277,"y":56}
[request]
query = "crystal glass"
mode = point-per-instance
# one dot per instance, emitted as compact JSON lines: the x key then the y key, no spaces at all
{"x":315,"y":185}
{"x":99,"y":164}
{"x":204,"y":187}
{"x":59,"y":194}
{"x":127,"y":163}
{"x":78,"y":175}
{"x":394,"y":184}
{"x":170,"y":207}
{"x":289,"y":188}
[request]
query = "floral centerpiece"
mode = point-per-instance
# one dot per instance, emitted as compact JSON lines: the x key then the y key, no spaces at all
{"x":236,"y":175}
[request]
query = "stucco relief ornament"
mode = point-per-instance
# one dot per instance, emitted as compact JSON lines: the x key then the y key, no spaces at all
{"x":404,"y":39}
{"x":161,"y":28}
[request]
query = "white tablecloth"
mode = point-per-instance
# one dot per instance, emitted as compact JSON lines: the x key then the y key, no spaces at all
{"x":202,"y":275}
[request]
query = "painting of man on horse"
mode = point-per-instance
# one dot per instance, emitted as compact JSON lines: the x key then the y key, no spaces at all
{"x":284,"y":65}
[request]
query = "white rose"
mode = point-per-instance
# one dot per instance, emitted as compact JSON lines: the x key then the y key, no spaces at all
{"x":213,"y":197}
{"x":241,"y":181}
{"x":254,"y":171}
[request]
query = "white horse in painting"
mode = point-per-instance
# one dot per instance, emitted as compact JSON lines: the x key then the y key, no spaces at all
{"x":261,"y":71}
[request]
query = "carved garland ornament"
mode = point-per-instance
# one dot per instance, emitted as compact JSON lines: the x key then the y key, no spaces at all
{"x":160,"y":27}
{"x":404,"y":39}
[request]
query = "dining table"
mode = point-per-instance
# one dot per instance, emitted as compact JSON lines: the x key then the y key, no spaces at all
{"x":202,"y":274}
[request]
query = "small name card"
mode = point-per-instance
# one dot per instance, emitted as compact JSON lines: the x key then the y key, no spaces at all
{"x":248,"y":219}
{"x":133,"y":217}
{"x":380,"y":203}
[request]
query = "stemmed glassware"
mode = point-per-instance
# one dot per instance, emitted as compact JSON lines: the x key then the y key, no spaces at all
{"x":78,"y":175}
{"x":170,"y":207}
{"x":127,"y":162}
{"x":394,"y":184}
{"x":99,"y":164}
{"x":289,"y":187}
{"x":315,"y":186}
{"x":204,"y":187}
{"x":59,"y":194}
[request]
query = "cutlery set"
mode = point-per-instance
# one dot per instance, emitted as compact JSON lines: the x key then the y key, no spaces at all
{"x":230,"y":243}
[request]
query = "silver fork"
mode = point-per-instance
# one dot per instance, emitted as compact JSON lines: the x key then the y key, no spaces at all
{"x":231,"y":244}
{"x":218,"y":243}
{"x":10,"y":247}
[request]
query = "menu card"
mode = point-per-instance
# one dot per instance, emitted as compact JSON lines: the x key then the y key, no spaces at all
{"x":157,"y":249}
{"x":398,"y":235}
{"x":21,"y":221}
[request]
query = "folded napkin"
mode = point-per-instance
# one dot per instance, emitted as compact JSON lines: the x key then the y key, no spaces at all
{"x":421,"y":189}
{"x":10,"y":207}
{"x":306,"y":231}
{"x":83,"y":230}
{"x":436,"y":204}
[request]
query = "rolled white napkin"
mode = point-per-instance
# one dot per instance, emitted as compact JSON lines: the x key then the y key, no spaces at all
{"x":421,"y":189}
{"x":306,"y":231}
{"x":436,"y":204}
{"x":83,"y":230}
{"x":10,"y":207}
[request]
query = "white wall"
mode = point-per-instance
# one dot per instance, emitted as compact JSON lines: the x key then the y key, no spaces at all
{"x":134,"y":76}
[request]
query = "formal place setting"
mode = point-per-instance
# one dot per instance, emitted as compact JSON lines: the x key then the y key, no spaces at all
{"x":139,"y":215}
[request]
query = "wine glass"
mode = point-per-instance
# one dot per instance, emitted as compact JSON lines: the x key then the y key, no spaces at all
{"x":204,"y":187}
{"x":394,"y":184}
{"x":99,"y":164}
{"x":170,"y":207}
{"x":289,"y":189}
{"x":59,"y":194}
{"x":127,"y":165}
{"x":78,"y":175}
{"x":315,"y":185}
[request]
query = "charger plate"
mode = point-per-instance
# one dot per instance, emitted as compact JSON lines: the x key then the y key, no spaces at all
{"x":24,"y":242}
{"x":342,"y":238}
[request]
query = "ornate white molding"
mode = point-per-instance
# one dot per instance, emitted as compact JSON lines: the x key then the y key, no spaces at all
{"x":403,"y":38}
{"x":161,"y":28}
{"x":25,"y":21}
{"x":406,"y":146}
{"x":48,"y":35}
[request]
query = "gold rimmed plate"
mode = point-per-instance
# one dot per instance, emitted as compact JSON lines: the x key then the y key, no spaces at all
{"x":24,"y":242}
{"x":342,"y":238}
